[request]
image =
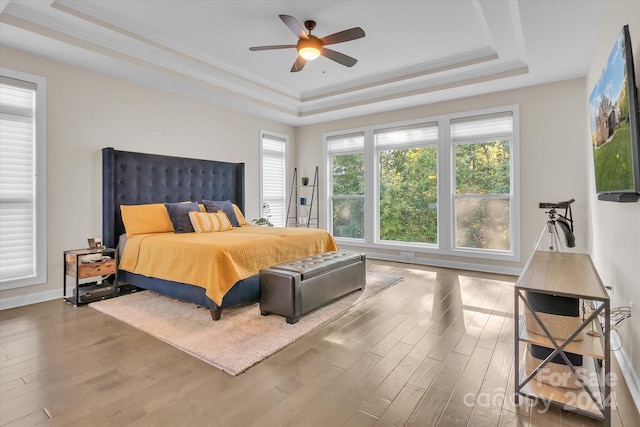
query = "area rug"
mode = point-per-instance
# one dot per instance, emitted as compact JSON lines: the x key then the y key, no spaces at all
{"x":241,"y":338}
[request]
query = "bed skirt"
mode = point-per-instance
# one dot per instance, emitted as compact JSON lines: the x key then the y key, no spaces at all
{"x":244,"y":290}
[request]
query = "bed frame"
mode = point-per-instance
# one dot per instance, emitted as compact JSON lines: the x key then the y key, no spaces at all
{"x":130,"y":178}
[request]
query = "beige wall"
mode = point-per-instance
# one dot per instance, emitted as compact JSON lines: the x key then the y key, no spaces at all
{"x":553,"y":157}
{"x":87,"y":111}
{"x":615,"y":227}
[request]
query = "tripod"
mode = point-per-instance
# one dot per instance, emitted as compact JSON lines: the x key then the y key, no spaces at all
{"x":550,"y":229}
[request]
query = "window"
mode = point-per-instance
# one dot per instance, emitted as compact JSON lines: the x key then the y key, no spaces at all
{"x":273,"y":172}
{"x":22,"y":180}
{"x":408,"y":183}
{"x":346,"y":158}
{"x":444,"y":184}
{"x":483,"y":181}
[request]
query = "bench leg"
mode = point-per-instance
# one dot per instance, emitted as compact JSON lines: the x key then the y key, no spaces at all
{"x":292,"y":320}
{"x":215,"y":314}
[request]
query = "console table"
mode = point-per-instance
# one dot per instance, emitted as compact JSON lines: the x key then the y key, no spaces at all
{"x":574,"y":276}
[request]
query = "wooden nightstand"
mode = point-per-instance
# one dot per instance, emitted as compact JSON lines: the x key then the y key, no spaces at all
{"x":95,"y":274}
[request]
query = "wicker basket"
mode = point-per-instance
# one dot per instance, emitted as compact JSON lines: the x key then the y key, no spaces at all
{"x":555,"y":374}
{"x":560,"y":327}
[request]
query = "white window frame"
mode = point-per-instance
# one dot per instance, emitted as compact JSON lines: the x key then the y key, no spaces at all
{"x":446,"y":189}
{"x":329,"y":184}
{"x":40,"y":182}
{"x":478,"y":140}
{"x":403,"y":146}
{"x":285,"y":138}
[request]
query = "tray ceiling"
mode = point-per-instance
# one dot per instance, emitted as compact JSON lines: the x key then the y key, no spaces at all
{"x":414,"y":52}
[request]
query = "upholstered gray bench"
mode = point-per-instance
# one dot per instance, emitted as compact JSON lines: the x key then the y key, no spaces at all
{"x":297,"y":287}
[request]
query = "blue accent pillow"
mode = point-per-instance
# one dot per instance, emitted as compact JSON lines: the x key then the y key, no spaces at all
{"x":179,"y":216}
{"x":222,"y":205}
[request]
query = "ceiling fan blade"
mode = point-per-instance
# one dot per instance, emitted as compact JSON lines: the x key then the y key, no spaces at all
{"x":340,"y":58}
{"x":294,"y":26}
{"x":343,"y":36}
{"x":298,"y":65}
{"x":277,"y":46}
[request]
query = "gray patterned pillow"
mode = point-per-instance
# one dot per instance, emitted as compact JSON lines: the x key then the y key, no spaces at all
{"x":222,"y":205}
{"x":179,"y":216}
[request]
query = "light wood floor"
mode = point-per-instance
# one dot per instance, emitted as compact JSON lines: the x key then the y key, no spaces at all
{"x":436,"y":349}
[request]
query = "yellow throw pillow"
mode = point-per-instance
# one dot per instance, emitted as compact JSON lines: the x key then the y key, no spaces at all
{"x":144,"y":219}
{"x":207,"y":222}
{"x":241,"y":219}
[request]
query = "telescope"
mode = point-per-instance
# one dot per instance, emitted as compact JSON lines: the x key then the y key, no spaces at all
{"x":564,"y":221}
{"x":557,"y":205}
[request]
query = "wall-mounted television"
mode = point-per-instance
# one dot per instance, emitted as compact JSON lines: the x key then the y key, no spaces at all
{"x":615,"y":126}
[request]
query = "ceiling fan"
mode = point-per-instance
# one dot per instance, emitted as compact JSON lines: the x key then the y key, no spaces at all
{"x":310,"y":47}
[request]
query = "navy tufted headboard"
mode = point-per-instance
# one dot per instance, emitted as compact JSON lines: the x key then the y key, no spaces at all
{"x":130,"y":178}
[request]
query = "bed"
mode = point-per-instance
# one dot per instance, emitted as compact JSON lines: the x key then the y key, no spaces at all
{"x":131,"y":178}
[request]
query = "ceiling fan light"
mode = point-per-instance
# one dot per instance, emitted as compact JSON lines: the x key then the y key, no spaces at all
{"x":309,"y":48}
{"x":309,"y":53}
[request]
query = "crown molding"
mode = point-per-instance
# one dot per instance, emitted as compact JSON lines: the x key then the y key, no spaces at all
{"x":463,"y":78}
{"x":403,"y":74}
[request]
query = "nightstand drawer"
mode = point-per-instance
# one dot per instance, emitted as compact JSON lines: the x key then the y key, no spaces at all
{"x":91,"y":269}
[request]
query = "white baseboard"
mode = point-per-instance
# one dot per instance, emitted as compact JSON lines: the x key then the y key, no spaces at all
{"x":19,"y":301}
{"x":486,"y":268}
{"x":630,"y":376}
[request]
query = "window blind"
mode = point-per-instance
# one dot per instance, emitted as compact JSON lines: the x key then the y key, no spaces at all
{"x":345,"y":143}
{"x":17,"y":180}
{"x":486,"y":126}
{"x":273,"y":180}
{"x":406,"y":136}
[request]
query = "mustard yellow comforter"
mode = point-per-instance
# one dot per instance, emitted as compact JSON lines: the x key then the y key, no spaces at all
{"x":216,"y":261}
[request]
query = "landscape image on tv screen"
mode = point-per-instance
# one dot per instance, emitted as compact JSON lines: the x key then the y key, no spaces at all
{"x":610,"y":124}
